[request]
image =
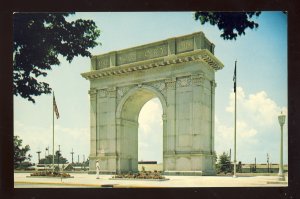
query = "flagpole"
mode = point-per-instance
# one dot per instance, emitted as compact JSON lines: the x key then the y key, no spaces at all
{"x":234,"y":171}
{"x":53,"y":132}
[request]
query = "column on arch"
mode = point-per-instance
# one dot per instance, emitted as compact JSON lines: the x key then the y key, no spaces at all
{"x":93,"y":128}
{"x":106,"y":129}
{"x":184,"y":123}
{"x":170,"y":134}
{"x":213,"y":86}
{"x":111,"y":134}
{"x":198,"y":114}
{"x":198,"y":124}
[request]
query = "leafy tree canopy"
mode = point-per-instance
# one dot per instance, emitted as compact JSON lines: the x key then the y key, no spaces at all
{"x":20,"y":152}
{"x":231,"y":23}
{"x":38,"y":39}
{"x":48,"y":159}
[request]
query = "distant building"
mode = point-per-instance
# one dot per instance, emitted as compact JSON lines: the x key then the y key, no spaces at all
{"x":262,"y":168}
{"x":41,"y":167}
{"x":147,"y":162}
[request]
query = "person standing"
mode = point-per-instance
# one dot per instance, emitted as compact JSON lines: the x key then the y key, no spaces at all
{"x":97,"y":169}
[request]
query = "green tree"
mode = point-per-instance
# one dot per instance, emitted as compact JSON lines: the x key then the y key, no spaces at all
{"x":231,"y":23}
{"x":20,"y":152}
{"x":224,"y":164}
{"x":38,"y":40}
{"x":48,"y":159}
{"x":86,"y":163}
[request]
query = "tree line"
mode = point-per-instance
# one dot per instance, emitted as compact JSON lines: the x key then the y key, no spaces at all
{"x":22,"y":157}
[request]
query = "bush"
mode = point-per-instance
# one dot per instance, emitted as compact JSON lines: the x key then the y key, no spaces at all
{"x":50,"y":174}
{"x":224,"y":165}
{"x":140,"y":175}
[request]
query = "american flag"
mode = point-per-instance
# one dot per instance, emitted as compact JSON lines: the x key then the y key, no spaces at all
{"x":55,"y":107}
{"x":234,"y":78}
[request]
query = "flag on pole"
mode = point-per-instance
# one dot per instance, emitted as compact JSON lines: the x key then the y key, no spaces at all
{"x":234,"y":78}
{"x":55,"y":107}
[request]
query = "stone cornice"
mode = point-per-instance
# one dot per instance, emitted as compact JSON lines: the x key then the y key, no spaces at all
{"x":197,"y":55}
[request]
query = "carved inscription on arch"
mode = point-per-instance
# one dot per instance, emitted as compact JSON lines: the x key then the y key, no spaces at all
{"x":103,"y":62}
{"x":142,"y":54}
{"x":185,"y":45}
{"x":126,"y":58}
{"x":154,"y":52}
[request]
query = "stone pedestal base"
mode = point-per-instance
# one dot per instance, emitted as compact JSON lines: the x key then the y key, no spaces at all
{"x":189,"y":164}
{"x":183,"y":173}
{"x":200,"y":164}
{"x":107,"y":164}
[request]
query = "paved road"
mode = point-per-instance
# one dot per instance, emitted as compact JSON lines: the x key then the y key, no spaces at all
{"x":85,"y":180}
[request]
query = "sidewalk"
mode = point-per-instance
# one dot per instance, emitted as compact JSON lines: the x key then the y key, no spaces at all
{"x":86,"y":180}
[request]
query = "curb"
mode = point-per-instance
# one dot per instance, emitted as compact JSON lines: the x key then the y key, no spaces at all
{"x":56,"y":183}
{"x":49,"y":177}
{"x":140,"y":179}
{"x":91,"y":185}
{"x":277,"y":182}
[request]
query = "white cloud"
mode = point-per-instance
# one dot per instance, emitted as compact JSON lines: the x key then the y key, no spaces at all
{"x":223,"y":136}
{"x":245,"y":130}
{"x":256,"y":108}
{"x":38,"y":138}
{"x":150,"y":137}
{"x":256,"y":120}
{"x":150,"y":117}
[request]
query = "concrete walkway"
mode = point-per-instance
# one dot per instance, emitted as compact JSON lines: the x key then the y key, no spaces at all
{"x":86,"y":180}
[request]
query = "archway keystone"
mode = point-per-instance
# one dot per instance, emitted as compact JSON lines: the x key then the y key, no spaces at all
{"x":180,"y":72}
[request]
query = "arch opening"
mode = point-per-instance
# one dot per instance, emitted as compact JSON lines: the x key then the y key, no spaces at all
{"x":150,"y":136}
{"x":128,"y":114}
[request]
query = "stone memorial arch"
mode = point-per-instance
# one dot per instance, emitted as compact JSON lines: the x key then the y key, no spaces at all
{"x":180,"y":72}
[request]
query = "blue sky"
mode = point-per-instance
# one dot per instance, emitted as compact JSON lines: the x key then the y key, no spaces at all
{"x":261,"y":74}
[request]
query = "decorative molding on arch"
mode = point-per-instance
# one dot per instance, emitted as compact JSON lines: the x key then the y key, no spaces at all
{"x":160,"y":86}
{"x":202,"y":55}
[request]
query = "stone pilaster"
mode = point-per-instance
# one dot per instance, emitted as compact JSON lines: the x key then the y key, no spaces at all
{"x":213,"y":86}
{"x":93,"y":122}
{"x":171,"y":112}
{"x":164,"y":118}
{"x":198,"y":88}
{"x":111,"y":134}
{"x":118,"y":144}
